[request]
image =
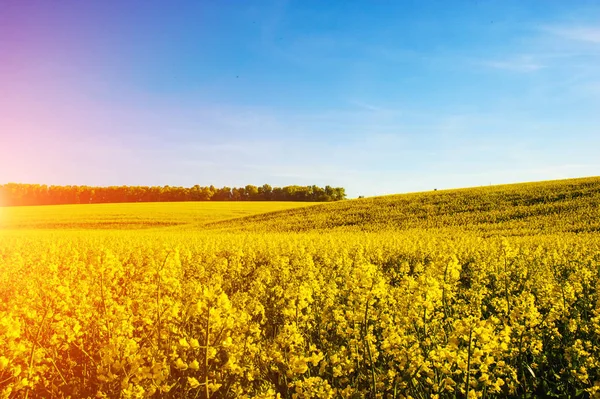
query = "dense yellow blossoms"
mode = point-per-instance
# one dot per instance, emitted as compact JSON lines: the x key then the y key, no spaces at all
{"x":345,"y":315}
{"x":477,"y":300}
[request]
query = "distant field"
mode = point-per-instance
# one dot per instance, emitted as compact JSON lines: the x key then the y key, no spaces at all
{"x":133,"y":215}
{"x":571,"y":205}
{"x":521,"y":209}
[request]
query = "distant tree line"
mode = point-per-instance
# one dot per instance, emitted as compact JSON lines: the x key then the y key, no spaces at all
{"x":36,"y":194}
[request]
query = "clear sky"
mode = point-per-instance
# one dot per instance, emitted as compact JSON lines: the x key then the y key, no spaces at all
{"x":379,"y":97}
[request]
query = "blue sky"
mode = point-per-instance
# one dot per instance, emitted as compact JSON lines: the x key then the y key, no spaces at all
{"x":379,"y":97}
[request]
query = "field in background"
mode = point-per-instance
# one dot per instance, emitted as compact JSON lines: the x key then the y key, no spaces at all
{"x":489,"y":292}
{"x":133,"y":215}
{"x":570,"y":205}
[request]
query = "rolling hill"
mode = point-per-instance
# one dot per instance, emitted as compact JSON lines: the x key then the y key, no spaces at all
{"x":525,"y":208}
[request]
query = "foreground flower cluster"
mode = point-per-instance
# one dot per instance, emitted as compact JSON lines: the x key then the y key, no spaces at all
{"x":344,"y":315}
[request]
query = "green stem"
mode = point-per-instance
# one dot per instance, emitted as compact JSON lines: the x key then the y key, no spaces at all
{"x":206,"y":343}
{"x":32,"y":353}
{"x":468,"y":376}
{"x":366,"y":331}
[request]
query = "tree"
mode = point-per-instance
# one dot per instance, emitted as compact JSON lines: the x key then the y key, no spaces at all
{"x":12,"y":194}
{"x":265,"y":192}
{"x":252,"y":193}
{"x":222,"y":194}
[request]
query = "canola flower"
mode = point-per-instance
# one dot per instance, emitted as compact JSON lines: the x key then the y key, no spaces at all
{"x":443,"y":312}
{"x":303,"y":316}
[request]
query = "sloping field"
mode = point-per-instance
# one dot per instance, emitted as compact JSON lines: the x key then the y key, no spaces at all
{"x":133,"y":215}
{"x":571,"y":205}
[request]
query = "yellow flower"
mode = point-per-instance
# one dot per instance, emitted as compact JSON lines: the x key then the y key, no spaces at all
{"x":194,"y":343}
{"x":180,"y":364}
{"x":298,"y":365}
{"x":193,"y":382}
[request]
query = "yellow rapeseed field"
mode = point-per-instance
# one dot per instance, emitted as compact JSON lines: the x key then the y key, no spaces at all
{"x":488,"y":292}
{"x":134,"y":215}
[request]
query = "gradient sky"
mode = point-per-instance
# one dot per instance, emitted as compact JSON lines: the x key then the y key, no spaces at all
{"x":379,"y":97}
